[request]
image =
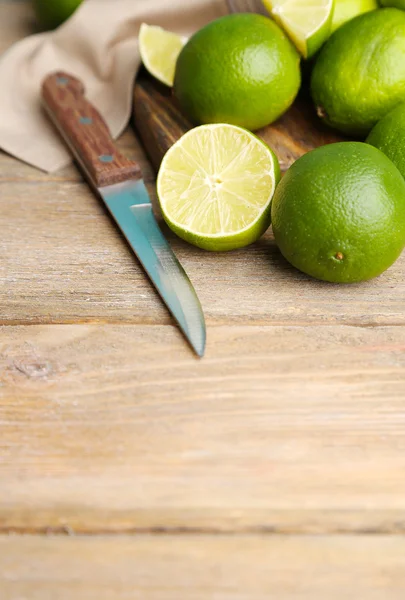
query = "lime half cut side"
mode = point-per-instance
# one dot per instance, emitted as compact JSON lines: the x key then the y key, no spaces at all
{"x":306,"y":22}
{"x":215,"y":186}
{"x":159,"y":50}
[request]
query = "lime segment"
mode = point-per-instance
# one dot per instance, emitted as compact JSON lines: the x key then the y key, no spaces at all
{"x":215,"y":186}
{"x":307,"y":22}
{"x":159,"y":51}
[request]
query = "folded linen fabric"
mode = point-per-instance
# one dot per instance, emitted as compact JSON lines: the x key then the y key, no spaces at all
{"x":99,"y":45}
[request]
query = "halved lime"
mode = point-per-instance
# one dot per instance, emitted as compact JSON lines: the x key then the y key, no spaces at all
{"x":215,"y":186}
{"x":159,"y":51}
{"x":306,"y":22}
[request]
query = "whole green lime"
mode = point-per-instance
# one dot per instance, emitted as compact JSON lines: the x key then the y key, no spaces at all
{"x":339,"y":213}
{"x":52,"y":13}
{"x":359,"y":75}
{"x":240,"y":69}
{"x":345,"y":10}
{"x":389,"y":137}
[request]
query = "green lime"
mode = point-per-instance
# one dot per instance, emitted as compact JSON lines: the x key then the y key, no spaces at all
{"x":215,"y":186}
{"x":308,"y":24}
{"x":395,"y":3}
{"x":240,"y":69}
{"x":339,"y":213}
{"x":389,"y":137}
{"x":359,"y":75}
{"x":348,"y":9}
{"x":52,"y":13}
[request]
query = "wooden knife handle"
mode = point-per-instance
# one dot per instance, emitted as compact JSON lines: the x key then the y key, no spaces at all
{"x":157,"y":118}
{"x":85,"y":131}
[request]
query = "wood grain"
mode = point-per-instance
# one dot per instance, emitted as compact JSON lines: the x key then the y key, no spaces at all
{"x":85,"y":132}
{"x":294,"y":422}
{"x":76,"y":267}
{"x":160,"y":123}
{"x":157,"y":118}
{"x":201,"y":567}
{"x":277,"y":429}
{"x":13,"y":171}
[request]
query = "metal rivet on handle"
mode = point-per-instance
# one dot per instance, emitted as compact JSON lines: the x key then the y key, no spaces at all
{"x":106,"y":158}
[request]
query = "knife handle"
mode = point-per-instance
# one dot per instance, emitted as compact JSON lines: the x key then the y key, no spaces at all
{"x":85,"y":131}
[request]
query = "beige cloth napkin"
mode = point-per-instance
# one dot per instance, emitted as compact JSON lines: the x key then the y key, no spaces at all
{"x":98,"y":45}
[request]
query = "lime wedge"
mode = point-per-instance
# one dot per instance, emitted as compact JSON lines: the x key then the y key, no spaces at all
{"x":306,"y":22}
{"x":215,"y":187}
{"x":159,"y":51}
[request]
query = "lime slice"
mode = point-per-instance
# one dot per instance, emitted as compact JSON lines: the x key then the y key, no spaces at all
{"x":306,"y":22}
{"x":215,"y":187}
{"x":159,"y":51}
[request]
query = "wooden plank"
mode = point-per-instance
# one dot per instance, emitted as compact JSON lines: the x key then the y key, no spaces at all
{"x":13,"y":171}
{"x":120,"y":428}
{"x":160,"y":123}
{"x":63,"y":260}
{"x":201,"y":567}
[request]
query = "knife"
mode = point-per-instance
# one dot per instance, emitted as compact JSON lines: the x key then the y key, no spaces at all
{"x":118,"y":181}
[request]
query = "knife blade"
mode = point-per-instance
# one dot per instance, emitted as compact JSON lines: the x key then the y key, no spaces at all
{"x":118,"y":182}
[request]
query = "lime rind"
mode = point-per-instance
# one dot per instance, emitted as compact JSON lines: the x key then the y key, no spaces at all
{"x":159,"y":50}
{"x":400,"y":4}
{"x":308,"y":24}
{"x":345,"y":10}
{"x":215,"y":186}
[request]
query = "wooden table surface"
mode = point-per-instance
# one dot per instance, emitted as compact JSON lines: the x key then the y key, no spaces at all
{"x":129,"y":469}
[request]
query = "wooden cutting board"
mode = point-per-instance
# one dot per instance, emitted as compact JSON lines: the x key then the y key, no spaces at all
{"x":159,"y":123}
